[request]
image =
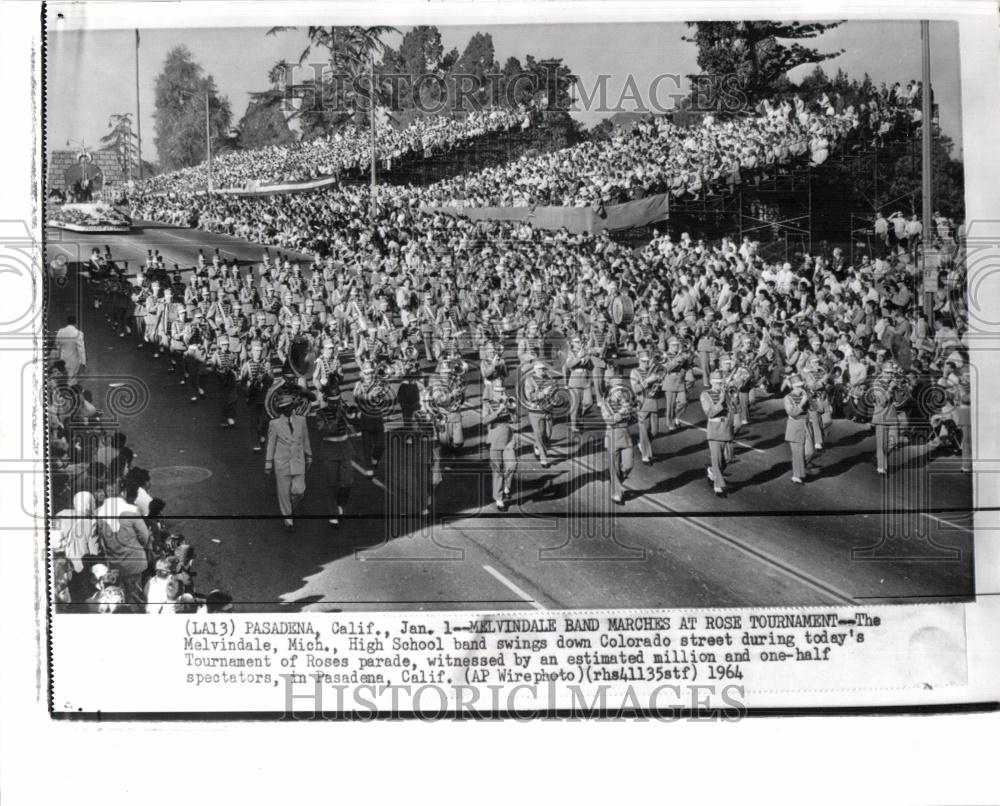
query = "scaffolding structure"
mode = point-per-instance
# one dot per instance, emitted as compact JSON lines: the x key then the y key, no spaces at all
{"x":786,"y":209}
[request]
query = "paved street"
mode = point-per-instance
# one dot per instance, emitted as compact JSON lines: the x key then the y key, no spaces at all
{"x":562,"y":543}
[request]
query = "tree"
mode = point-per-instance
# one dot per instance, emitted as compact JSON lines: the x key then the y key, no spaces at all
{"x":263,"y":124}
{"x":420,"y":55}
{"x":179,"y":134}
{"x":745,"y":62}
{"x":343,"y":92}
{"x":473,"y":68}
{"x":947,"y":180}
{"x":124,"y":142}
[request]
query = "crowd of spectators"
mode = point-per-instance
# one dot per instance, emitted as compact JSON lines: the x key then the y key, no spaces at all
{"x":656,"y":156}
{"x":112,"y":551}
{"x":653,"y":155}
{"x":346,"y":151}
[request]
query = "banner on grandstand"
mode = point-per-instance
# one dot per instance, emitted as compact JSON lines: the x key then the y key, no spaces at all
{"x":636,"y":213}
{"x":252,"y":189}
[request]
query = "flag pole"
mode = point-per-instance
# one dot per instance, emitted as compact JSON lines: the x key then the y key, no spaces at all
{"x":926,"y":134}
{"x":138,"y":117}
{"x":371,"y":125}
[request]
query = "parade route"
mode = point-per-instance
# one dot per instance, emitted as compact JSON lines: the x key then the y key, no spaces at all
{"x":846,"y":536}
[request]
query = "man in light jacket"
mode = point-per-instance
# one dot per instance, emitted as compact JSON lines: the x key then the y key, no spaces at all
{"x":71,"y":350}
{"x":288,"y":457}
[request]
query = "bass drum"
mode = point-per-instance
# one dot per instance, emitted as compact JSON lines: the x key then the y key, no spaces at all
{"x":622,"y":310}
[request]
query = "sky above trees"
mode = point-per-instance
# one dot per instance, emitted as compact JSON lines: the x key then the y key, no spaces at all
{"x":91,"y":74}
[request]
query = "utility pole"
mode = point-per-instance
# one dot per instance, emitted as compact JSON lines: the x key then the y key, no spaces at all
{"x":371,"y":76}
{"x":208,"y":144}
{"x":929,"y":270}
{"x":138,"y":118}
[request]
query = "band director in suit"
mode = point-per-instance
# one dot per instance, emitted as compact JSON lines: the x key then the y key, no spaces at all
{"x":288,"y":457}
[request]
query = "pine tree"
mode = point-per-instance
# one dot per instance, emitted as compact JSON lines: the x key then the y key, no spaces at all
{"x":179,"y":133}
{"x":744,"y":62}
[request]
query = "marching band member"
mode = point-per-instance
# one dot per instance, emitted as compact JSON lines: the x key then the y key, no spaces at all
{"x":857,"y":379}
{"x":531,"y":341}
{"x":618,"y":411}
{"x":498,"y":415}
{"x":196,"y":338}
{"x":744,"y":382}
{"x":539,"y":389}
{"x":707,"y":347}
{"x":797,"y":429}
{"x":407,"y":371}
{"x":426,"y":317}
{"x":446,"y":344}
{"x":579,"y":364}
{"x":140,"y":302}
{"x":726,"y":368}
{"x":326,"y":372}
{"x":335,"y":423}
{"x":645,"y":381}
{"x":603,"y":346}
{"x":486,"y":334}
{"x":885,"y":414}
{"x":223,"y":361}
{"x":816,"y":380}
{"x":491,"y":368}
{"x":643,"y":334}
{"x":177,"y":343}
{"x":255,"y":375}
{"x":675,"y":384}
{"x":715,"y":404}
{"x":164,"y":316}
{"x":369,"y":397}
{"x":447,"y":396}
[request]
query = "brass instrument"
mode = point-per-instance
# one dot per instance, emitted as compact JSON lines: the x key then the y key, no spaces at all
{"x":672,"y":362}
{"x":351,"y":411}
{"x":737,"y":378}
{"x":377,"y":398}
{"x":406,"y":365}
{"x":816,"y":386}
{"x":545,"y":398}
{"x":619,"y":406}
{"x":457,"y":367}
{"x":900,"y":390}
{"x":801,"y":398}
{"x":657,"y":367}
{"x":446,"y":396}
